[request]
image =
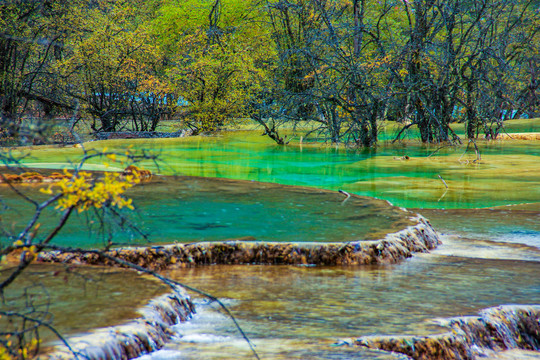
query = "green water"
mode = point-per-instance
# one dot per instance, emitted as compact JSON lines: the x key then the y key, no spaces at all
{"x":490,"y":256}
{"x":506,"y":174}
{"x":190,"y":209}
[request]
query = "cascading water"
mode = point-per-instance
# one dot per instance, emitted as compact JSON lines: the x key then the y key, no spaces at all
{"x":496,"y":329}
{"x":145,"y":334}
{"x":293,"y":312}
{"x":300,"y":312}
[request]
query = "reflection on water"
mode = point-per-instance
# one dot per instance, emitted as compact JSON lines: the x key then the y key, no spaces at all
{"x":189,"y":209}
{"x":506,"y":174}
{"x":290,"y":312}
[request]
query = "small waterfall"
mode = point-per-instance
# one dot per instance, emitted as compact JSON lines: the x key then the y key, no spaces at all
{"x":495,"y":329}
{"x":393,"y":248}
{"x":143,"y":335}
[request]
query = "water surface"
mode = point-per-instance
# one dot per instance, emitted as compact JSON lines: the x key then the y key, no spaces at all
{"x":77,"y":299}
{"x":508,"y":232}
{"x":190,"y":209}
{"x":505,"y":174}
{"x":490,"y":256}
{"x":301,"y":312}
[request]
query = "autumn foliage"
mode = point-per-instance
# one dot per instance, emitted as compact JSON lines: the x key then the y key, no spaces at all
{"x":345,"y":66}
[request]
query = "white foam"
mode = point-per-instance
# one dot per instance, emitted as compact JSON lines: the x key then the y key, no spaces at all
{"x":206,"y":338}
{"x":164,"y":354}
{"x":469,"y":247}
{"x":138,"y":336}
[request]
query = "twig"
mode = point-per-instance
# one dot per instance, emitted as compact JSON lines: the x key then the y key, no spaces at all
{"x":443,"y":195}
{"x":476,"y":150}
{"x":26,"y":261}
{"x":165,"y":280}
{"x":41,"y":323}
{"x":17,"y":191}
{"x":346,"y":194}
{"x":37,"y":214}
{"x":403,"y":130}
{"x":440,"y":148}
{"x":444,"y":182}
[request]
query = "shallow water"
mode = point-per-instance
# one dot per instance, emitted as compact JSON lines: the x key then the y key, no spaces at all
{"x":301,"y":312}
{"x":490,"y":256}
{"x":188,"y":209}
{"x":296,"y":312}
{"x":199,"y":209}
{"x":77,"y":299}
{"x":505,"y":232}
{"x":377,"y":172}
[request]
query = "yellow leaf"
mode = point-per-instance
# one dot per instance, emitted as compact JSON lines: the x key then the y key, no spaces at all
{"x":47,"y":191}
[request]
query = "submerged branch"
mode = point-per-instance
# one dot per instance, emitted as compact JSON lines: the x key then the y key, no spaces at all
{"x":444,"y":182}
{"x":346,"y":194}
{"x":476,"y":150}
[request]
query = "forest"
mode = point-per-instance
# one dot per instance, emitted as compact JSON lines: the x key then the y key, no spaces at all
{"x":143,"y":215}
{"x":343,"y":66}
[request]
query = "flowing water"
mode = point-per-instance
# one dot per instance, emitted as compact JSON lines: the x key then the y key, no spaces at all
{"x":299,"y":312}
{"x":77,"y":299}
{"x":490,"y":256}
{"x":509,"y":232}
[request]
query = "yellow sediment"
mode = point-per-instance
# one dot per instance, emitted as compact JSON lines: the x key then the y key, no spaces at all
{"x":519,"y":136}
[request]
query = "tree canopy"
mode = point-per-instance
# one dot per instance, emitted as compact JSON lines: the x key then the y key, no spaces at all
{"x":342,"y":66}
